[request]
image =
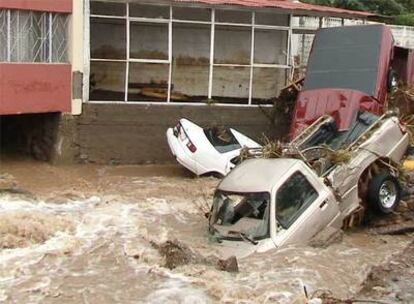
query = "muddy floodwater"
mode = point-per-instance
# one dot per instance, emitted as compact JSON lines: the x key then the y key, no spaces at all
{"x":84,"y":234}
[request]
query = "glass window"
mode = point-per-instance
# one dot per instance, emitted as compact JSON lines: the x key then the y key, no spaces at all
{"x":222,"y":139}
{"x":108,"y":8}
{"x":108,"y":38}
{"x":107,"y":81}
{"x":148,"y":82}
{"x":270,"y":46}
{"x":293,"y":198}
{"x":232,"y":45}
{"x":3,"y":35}
{"x":267,"y":83}
{"x":29,"y":36}
{"x":60,"y":39}
{"x":231,"y":16}
{"x":192,"y":13}
{"x":149,"y":41}
{"x":149,"y":11}
{"x":191,"y":52}
{"x":231,"y":84}
{"x":264,"y":18}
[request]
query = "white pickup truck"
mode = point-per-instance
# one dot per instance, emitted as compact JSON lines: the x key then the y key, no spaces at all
{"x":269,"y":203}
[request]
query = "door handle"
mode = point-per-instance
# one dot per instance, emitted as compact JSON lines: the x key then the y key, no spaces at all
{"x":323,"y":205}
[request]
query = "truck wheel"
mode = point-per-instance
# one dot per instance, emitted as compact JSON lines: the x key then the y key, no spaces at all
{"x":384,"y":193}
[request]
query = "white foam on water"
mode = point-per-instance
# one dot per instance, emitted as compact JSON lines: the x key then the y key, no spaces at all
{"x":125,"y":230}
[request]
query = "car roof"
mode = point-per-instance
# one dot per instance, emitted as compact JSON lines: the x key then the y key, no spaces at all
{"x":347,"y":58}
{"x":256,"y":175}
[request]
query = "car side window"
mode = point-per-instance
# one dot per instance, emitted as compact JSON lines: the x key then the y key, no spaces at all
{"x":293,"y":198}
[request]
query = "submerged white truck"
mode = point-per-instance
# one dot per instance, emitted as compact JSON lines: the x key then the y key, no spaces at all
{"x":325,"y":180}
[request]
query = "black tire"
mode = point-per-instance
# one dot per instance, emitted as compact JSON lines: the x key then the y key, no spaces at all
{"x":384,"y":193}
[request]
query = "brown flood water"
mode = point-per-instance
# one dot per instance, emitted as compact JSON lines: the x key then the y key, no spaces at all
{"x":83,"y":233}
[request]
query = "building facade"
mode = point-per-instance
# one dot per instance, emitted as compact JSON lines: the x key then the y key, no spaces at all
{"x":122,"y":72}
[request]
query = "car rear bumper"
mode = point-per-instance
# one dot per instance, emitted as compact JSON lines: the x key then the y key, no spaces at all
{"x":180,"y":153}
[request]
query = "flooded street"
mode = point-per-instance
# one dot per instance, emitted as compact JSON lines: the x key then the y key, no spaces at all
{"x":86,"y":234}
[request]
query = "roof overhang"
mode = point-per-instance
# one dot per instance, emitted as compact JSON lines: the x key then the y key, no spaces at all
{"x":294,"y":7}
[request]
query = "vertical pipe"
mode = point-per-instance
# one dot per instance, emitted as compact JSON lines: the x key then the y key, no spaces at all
{"x":210,"y":74}
{"x":252,"y":58}
{"x":289,"y":61}
{"x":87,"y":50}
{"x":169,"y":56}
{"x":127,"y":52}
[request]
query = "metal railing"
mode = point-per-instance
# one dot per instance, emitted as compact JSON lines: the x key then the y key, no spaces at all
{"x":28,"y":36}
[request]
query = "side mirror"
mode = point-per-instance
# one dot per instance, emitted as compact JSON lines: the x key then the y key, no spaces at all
{"x":392,"y":83}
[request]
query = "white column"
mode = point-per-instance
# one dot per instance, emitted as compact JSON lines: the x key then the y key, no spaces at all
{"x":76,"y":49}
{"x":210,"y":74}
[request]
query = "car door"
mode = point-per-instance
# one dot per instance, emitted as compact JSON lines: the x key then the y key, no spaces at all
{"x":301,"y":210}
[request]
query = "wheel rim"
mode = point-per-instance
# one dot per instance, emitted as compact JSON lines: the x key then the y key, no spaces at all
{"x":388,"y":194}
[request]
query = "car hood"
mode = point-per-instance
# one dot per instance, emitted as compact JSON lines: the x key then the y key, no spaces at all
{"x":241,"y":249}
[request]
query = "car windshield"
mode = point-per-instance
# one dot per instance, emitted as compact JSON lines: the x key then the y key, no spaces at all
{"x":241,"y":215}
{"x":222,"y":139}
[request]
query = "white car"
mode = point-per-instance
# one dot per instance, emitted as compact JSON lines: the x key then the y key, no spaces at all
{"x":210,"y":150}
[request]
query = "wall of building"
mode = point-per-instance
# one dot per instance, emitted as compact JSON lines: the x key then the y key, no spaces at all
{"x":57,"y":6}
{"x":129,"y":134}
{"x":34,"y":88}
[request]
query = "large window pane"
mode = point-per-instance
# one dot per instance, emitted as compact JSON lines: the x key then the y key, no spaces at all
{"x":149,"y":41}
{"x":3,"y":35}
{"x":232,"y":45}
{"x":192,"y":13}
{"x":267,"y":83}
{"x":107,"y":81}
{"x":191,"y":51}
{"x":272,"y":19}
{"x":148,"y":82}
{"x":231,"y":16}
{"x":108,"y":38}
{"x":29,"y":36}
{"x":149,"y":11}
{"x":231,"y":84}
{"x":270,"y":46}
{"x":60,"y":38}
{"x":108,"y":8}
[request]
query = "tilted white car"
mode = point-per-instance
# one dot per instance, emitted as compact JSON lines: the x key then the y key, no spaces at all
{"x":209,"y":150}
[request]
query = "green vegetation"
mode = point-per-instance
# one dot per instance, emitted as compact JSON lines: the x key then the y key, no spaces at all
{"x":402,"y":10}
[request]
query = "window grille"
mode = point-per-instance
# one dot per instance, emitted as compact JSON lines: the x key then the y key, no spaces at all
{"x":28,"y":36}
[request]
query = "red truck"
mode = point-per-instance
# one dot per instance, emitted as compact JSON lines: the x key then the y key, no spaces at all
{"x":349,"y":69}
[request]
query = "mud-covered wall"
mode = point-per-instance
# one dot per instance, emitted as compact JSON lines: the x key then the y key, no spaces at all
{"x":131,"y":133}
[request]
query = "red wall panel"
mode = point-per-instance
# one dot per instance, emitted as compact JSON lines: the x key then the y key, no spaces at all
{"x":59,"y":6}
{"x":35,"y":88}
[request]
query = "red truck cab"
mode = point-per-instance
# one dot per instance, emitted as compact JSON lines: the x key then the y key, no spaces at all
{"x":349,"y":69}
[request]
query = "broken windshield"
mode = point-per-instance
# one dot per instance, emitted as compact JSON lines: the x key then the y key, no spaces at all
{"x":222,"y":139}
{"x":240,"y":215}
